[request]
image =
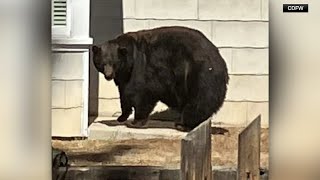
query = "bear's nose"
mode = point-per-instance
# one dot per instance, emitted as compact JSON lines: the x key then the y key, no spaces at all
{"x":109,"y":78}
{"x":108,"y":72}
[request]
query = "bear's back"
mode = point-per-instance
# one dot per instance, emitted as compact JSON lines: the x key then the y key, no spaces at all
{"x":185,"y":35}
{"x":187,"y":42}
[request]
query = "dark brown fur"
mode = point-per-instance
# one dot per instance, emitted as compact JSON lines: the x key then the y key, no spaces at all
{"x":176,"y":65}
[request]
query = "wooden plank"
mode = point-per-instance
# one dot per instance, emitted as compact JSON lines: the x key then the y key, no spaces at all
{"x":116,"y":172}
{"x":196,"y":153}
{"x":137,"y":173}
{"x":249,"y":151}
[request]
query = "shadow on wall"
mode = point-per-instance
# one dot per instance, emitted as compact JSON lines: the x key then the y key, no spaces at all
{"x":106,"y":22}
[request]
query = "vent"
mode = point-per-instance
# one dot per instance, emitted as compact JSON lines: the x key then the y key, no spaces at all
{"x":59,"y":12}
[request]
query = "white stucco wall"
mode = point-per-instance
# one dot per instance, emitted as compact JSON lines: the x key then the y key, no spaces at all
{"x":70,"y":73}
{"x":238,"y":28}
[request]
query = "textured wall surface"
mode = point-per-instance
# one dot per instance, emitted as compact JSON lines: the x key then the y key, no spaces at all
{"x":67,"y":93}
{"x":238,"y":28}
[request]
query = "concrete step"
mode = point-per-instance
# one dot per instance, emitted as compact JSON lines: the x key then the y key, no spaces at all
{"x":108,"y":128}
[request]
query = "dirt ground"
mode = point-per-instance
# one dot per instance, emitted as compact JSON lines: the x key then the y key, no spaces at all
{"x":153,"y":152}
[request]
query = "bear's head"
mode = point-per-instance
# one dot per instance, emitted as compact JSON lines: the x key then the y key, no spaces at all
{"x":116,"y":58}
{"x":109,"y":58}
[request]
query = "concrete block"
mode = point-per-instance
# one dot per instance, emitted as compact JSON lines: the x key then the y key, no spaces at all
{"x":230,"y":9}
{"x":265,"y":10}
{"x":74,"y":94}
{"x":58,"y":94}
{"x":250,"y":61}
{"x":107,"y":89}
{"x":121,"y":132}
{"x":226,"y":54}
{"x":231,"y":113}
{"x":166,"y":9}
{"x":109,"y":107}
{"x":67,"y":65}
{"x":130,"y":25}
{"x":203,"y":26}
{"x":248,"y":88}
{"x":256,"y":109}
{"x":66,"y":122}
{"x":240,"y":34}
{"x":129,"y":7}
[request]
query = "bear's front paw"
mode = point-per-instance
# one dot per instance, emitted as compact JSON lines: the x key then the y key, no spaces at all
{"x":122,"y":118}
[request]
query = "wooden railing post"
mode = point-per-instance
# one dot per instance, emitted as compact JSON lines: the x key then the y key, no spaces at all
{"x":196,"y":153}
{"x":249,"y":151}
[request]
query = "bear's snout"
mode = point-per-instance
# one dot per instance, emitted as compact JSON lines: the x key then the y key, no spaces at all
{"x":108,"y":72}
{"x":109,"y":78}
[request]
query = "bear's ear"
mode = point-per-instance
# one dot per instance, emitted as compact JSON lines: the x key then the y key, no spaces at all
{"x":95,"y":49}
{"x":123,"y":51}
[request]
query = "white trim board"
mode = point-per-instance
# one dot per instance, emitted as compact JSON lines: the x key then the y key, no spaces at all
{"x":85,"y":89}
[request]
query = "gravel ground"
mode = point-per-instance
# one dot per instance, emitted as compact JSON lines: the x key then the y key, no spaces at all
{"x":153,"y":152}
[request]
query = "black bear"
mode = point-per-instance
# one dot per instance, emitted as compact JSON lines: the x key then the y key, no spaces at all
{"x":176,"y":65}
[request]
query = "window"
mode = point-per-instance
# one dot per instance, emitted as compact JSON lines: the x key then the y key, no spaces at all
{"x":60,"y":18}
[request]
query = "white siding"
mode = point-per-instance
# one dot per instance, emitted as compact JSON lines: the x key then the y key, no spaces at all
{"x":238,"y":28}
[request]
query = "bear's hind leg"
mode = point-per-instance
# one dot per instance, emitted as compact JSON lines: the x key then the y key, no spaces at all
{"x":187,"y":116}
{"x":191,"y":116}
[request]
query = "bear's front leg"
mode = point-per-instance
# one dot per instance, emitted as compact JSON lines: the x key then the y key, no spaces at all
{"x":144,"y":105}
{"x":126,"y":106}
